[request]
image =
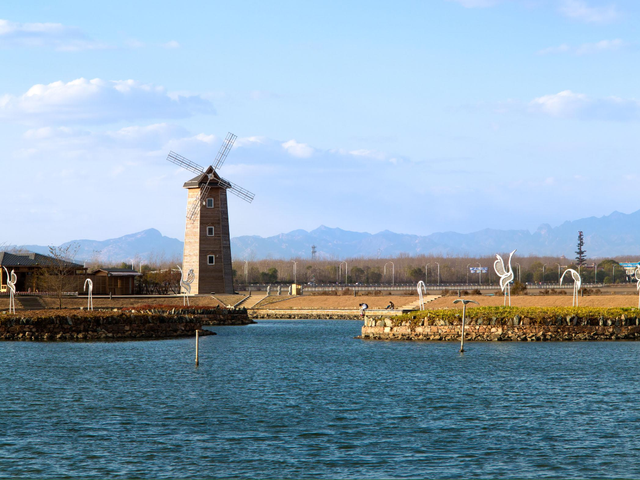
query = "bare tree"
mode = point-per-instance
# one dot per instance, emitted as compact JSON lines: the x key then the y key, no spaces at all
{"x":59,"y":275}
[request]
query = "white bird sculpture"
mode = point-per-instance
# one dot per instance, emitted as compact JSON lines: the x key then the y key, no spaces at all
{"x":89,"y":282}
{"x":577,"y":282}
{"x":11,"y":283}
{"x":185,"y":283}
{"x":421,"y":288}
{"x":506,"y":276}
{"x":637,"y":273}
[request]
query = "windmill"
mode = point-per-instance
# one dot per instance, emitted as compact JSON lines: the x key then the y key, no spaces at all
{"x":207,"y":244}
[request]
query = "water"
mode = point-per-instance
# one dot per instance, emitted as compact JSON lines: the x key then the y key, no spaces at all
{"x":305,"y":399}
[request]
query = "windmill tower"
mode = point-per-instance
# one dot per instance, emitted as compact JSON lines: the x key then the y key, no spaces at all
{"x":207,"y":244}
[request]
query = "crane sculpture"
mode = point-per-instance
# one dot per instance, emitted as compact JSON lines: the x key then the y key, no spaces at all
{"x":505,"y":274}
{"x":637,"y":274}
{"x":577,"y":282}
{"x":186,"y":284}
{"x":421,"y":288}
{"x":11,"y":283}
{"x":89,"y":282}
{"x":207,"y":243}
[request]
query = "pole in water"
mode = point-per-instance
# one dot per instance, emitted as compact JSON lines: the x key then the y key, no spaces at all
{"x":464,"y":314}
{"x":197,"y":345}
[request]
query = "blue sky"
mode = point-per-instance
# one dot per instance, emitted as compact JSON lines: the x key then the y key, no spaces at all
{"x":415,"y":117}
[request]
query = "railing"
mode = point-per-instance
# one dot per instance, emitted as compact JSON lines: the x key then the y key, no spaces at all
{"x":40,"y":294}
{"x":403,"y":287}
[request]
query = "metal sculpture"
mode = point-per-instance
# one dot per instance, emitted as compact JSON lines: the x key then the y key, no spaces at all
{"x":185,"y":283}
{"x":506,"y":276}
{"x":637,"y":274}
{"x":464,"y":314}
{"x":11,"y":283}
{"x":89,"y":282}
{"x":421,"y":288}
{"x":577,"y":282}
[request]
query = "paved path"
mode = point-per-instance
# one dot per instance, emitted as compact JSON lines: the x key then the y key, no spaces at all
{"x":416,"y":305}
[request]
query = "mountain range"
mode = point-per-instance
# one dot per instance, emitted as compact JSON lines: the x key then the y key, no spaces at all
{"x":611,"y":235}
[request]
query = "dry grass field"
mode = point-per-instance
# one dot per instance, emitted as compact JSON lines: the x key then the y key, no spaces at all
{"x":51,"y":302}
{"x":541,"y":301}
{"x":320,"y":302}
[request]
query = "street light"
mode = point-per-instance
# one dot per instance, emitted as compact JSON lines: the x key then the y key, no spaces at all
{"x":613,"y":280}
{"x":480,"y":273}
{"x":393,"y":272}
{"x":468,"y":273}
{"x":438,"y":272}
{"x":346,"y":271}
{"x":519,"y":271}
{"x":543,"y":272}
{"x":558,"y":272}
{"x":595,"y":273}
{"x":426,"y":273}
{"x":246,"y":272}
{"x":295,"y":272}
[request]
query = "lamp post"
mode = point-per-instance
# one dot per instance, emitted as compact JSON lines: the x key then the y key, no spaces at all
{"x":558,"y":272}
{"x":480,"y":274}
{"x":438,"y":272}
{"x":519,"y":271}
{"x":468,"y":273}
{"x":246,"y":272}
{"x":295,"y":272}
{"x":426,"y":273}
{"x":543,"y":272}
{"x":346,"y":271}
{"x":393,"y":272}
{"x":595,"y":273}
{"x":613,"y":278}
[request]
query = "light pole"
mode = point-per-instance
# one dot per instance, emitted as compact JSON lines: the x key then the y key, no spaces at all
{"x":480,"y":273}
{"x":295,"y":272}
{"x":519,"y":270}
{"x":558,"y":272}
{"x":393,"y":272}
{"x":543,"y":272}
{"x":426,"y":273}
{"x":346,"y":271}
{"x":613,"y":279}
{"x":246,"y":272}
{"x":468,"y":273}
{"x":438,"y":272}
{"x":595,"y":273}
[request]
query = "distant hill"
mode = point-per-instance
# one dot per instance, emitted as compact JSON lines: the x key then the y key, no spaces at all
{"x":144,"y":245}
{"x":611,"y":235}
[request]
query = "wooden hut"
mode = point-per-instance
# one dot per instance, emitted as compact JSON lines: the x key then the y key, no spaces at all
{"x":114,"y":281}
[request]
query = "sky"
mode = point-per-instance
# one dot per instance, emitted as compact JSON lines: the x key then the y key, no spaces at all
{"x":410,"y":116}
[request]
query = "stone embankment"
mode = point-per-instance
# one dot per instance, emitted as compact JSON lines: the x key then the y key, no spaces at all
{"x":70,"y":326}
{"x":386,"y":329}
{"x":304,"y":314}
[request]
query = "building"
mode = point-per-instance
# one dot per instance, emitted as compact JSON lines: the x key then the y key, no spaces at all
{"x":114,"y":281}
{"x":31,"y":269}
{"x":207,"y":244}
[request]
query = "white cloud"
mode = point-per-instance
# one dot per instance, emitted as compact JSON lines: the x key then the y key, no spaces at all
{"x":298,"y":150}
{"x":171,"y":44}
{"x":567,"y":104}
{"x":52,"y":35}
{"x":476,"y":3}
{"x":580,"y":10}
{"x":587,"y":48}
{"x":98,"y":101}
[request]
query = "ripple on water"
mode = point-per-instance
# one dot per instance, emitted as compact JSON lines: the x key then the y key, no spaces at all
{"x":305,"y":399}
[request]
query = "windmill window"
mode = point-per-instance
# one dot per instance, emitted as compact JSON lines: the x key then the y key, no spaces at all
{"x":211,"y":259}
{"x":210,"y":231}
{"x":209,"y":202}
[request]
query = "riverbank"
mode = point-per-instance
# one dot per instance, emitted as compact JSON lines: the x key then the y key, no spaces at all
{"x":509,"y":324}
{"x":74,"y":325}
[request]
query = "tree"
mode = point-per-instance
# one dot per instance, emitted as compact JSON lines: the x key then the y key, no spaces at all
{"x":59,"y":275}
{"x":416,"y":274}
{"x":581,"y":253}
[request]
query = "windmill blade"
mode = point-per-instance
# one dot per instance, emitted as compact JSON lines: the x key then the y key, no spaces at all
{"x":237,"y":190}
{"x":224,"y":150}
{"x":185,"y":163}
{"x":196,"y":205}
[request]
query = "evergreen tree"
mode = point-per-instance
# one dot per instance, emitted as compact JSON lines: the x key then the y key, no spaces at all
{"x":581,"y":253}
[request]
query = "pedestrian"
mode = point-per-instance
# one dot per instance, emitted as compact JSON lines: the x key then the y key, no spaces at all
{"x":363,"y":309}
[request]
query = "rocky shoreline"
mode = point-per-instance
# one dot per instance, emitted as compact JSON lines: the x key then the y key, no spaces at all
{"x":386,"y":330}
{"x":113,"y":326}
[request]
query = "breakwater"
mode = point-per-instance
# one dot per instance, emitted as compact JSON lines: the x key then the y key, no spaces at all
{"x":106,"y":325}
{"x":305,"y":314}
{"x":569,"y":329}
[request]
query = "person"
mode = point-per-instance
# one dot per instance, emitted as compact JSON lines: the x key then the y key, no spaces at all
{"x":391,"y":306}
{"x":363,"y":309}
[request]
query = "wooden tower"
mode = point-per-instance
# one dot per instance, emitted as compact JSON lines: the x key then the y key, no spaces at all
{"x":207,"y":243}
